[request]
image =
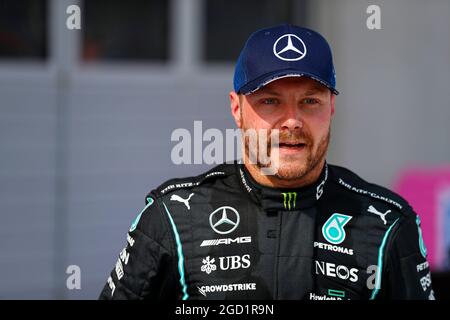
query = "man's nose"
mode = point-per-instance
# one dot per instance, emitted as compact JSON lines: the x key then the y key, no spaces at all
{"x":291,"y":117}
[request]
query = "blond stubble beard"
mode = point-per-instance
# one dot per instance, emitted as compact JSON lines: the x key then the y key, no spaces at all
{"x":287,"y":171}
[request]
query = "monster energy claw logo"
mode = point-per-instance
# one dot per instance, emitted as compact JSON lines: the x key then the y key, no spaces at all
{"x":423,"y":249}
{"x":333,"y":229}
{"x":289,"y":200}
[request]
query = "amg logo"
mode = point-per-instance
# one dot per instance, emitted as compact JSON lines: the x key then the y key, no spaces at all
{"x":216,"y":242}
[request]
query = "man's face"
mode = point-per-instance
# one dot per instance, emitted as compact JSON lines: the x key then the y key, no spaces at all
{"x":301,"y":109}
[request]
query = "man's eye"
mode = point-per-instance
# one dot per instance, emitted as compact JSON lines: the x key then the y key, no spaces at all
{"x":310,"y":101}
{"x":270,"y":101}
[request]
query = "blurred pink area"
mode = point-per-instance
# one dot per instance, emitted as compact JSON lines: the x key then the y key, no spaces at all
{"x":426,"y":188}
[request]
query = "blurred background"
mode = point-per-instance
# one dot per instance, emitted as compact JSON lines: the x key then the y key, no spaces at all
{"x":86,"y":117}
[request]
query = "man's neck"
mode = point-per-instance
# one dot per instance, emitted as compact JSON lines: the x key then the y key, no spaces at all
{"x":275,"y":182}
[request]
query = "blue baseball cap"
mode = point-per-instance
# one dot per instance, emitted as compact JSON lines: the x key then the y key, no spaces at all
{"x":283,"y":51}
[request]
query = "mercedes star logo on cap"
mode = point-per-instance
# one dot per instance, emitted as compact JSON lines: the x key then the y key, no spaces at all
{"x":289,"y":43}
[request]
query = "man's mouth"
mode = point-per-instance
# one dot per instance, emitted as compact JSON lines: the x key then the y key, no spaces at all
{"x":291,"y":148}
{"x":292,"y":145}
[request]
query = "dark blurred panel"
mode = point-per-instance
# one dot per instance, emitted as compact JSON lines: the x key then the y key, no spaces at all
{"x":23,"y":31}
{"x":441,"y":285}
{"x":125,"y":30}
{"x":228,"y":23}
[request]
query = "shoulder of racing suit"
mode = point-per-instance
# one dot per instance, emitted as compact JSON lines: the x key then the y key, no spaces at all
{"x":177,"y":191}
{"x":402,"y":251}
{"x":173,"y":197}
{"x":170,"y":186}
{"x":355,"y":186}
{"x":148,"y":266}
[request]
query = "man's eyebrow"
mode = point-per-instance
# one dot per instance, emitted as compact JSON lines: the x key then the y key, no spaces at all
{"x":267,"y":92}
{"x":313,"y":91}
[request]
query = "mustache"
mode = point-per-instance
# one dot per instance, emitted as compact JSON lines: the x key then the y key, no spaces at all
{"x":291,"y":137}
{"x":284,"y":137}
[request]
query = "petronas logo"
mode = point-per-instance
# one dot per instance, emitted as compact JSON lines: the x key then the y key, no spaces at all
{"x":289,"y":200}
{"x":333,"y":229}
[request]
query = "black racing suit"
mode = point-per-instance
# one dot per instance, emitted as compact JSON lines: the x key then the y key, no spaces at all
{"x":221,"y":235}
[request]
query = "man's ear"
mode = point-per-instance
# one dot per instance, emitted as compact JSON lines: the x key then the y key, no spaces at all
{"x":333,"y":96}
{"x":235,"y":108}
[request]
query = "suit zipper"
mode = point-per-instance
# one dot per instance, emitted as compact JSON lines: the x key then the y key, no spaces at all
{"x":277,"y":252}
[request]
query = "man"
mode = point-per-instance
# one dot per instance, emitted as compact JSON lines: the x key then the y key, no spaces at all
{"x":309,"y":230}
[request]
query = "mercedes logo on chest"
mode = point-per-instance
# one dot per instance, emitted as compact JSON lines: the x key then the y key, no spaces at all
{"x":224,"y":220}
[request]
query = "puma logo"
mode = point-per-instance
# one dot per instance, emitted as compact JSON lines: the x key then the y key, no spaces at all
{"x":378,"y":213}
{"x":176,"y":197}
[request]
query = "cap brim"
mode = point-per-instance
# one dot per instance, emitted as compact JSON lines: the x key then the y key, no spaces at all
{"x":257,"y":84}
